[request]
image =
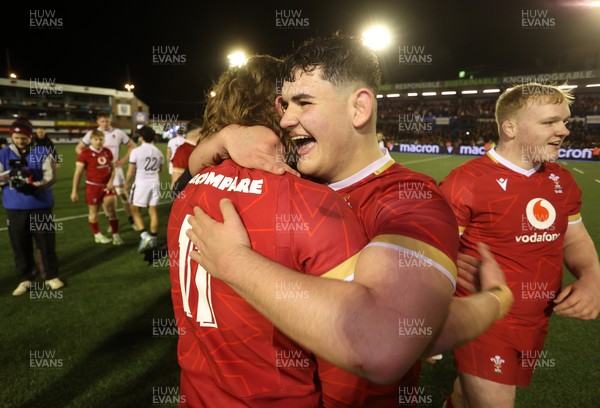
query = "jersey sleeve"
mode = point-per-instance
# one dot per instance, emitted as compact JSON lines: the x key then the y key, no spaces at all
{"x":133,"y":156}
{"x":414,"y":218}
{"x":86,"y":138}
{"x":123,"y":136}
{"x":81,"y":157}
{"x":572,"y":197}
{"x":327,"y":235}
{"x":109,"y":155}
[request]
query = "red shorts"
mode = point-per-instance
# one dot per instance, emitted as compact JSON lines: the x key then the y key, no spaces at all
{"x":505,"y":353}
{"x":94,"y":195}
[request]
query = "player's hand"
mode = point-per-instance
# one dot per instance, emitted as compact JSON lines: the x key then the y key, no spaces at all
{"x":581,"y":299}
{"x":74,"y":197}
{"x":476,"y":274}
{"x":218,"y":243}
{"x":120,"y":162}
{"x":109,"y":187}
{"x":468,"y":272}
{"x":256,"y":147}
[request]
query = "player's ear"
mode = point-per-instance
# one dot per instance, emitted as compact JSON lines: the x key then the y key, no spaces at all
{"x":509,"y":127}
{"x":362,"y":107}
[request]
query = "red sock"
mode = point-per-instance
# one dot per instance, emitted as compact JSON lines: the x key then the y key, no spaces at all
{"x":114,"y":226}
{"x":95,"y":227}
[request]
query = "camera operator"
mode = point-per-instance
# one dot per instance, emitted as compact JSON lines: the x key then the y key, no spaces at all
{"x":27,"y":174}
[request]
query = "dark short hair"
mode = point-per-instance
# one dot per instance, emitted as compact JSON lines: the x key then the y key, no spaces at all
{"x":342,"y":59}
{"x":147,"y":133}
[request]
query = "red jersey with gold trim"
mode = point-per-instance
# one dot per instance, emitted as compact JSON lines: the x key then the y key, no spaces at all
{"x":523,"y":216}
{"x":230,"y":355}
{"x":182,"y":156}
{"x":97,"y":165}
{"x":403,"y":209}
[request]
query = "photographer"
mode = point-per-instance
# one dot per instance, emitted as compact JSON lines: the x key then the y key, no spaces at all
{"x":27,"y":174}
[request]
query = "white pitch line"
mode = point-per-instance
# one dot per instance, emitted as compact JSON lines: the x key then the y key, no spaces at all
{"x":75,"y":217}
{"x":597,"y":181}
{"x":578,"y":171}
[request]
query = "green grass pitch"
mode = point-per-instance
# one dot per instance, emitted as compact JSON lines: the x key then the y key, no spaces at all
{"x":105,"y":340}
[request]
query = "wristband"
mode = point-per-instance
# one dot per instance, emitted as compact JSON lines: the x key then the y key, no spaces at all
{"x":504,"y":296}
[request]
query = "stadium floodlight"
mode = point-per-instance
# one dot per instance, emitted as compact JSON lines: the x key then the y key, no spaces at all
{"x":129,"y":87}
{"x":567,"y":86}
{"x":429,"y":94}
{"x":592,"y":85}
{"x":377,"y":38}
{"x":412,"y":94}
{"x":13,"y":75}
{"x":237,"y":59}
{"x":496,"y":90}
{"x":449,"y":93}
{"x":469,"y":92}
{"x":379,"y":96}
{"x":394,"y":95}
{"x":213,"y":94}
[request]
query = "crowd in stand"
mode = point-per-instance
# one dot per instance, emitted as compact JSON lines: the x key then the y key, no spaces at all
{"x":470,"y":122}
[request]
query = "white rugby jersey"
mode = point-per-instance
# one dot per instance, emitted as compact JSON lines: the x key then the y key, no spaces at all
{"x":148,"y":160}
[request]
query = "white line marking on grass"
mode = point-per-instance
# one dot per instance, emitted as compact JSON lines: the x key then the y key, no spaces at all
{"x":74,"y":217}
{"x":578,"y":171}
{"x":424,"y":160}
{"x":597,"y":181}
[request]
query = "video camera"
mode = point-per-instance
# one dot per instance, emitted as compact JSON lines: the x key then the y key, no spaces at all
{"x":19,"y":176}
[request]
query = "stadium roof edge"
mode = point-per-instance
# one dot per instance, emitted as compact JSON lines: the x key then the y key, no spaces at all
{"x":45,"y":82}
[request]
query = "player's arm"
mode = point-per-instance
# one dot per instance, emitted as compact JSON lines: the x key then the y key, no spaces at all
{"x":254,"y":147}
{"x":81,"y":146}
{"x":355,"y":325}
{"x":79,"y":167}
{"x":130,"y":146}
{"x":581,"y":299}
{"x":168,"y":154}
{"x":110,"y":186}
{"x":130,"y":175}
{"x":176,"y":174}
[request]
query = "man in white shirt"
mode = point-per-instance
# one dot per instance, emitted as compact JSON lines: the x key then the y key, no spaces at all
{"x":145,"y":164}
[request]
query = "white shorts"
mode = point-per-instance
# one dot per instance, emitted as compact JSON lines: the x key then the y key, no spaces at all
{"x":144,"y":194}
{"x":119,"y":180}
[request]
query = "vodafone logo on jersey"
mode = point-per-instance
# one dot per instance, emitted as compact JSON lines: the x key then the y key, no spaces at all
{"x":101,"y":160}
{"x":541,"y":215}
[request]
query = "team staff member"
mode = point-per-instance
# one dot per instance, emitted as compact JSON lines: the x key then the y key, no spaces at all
{"x":525,"y":206}
{"x":28,"y":175}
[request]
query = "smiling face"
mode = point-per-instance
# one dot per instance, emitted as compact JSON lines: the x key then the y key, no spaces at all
{"x":317,"y":115}
{"x":539,"y":128}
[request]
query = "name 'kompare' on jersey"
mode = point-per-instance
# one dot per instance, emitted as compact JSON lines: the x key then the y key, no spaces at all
{"x":245,"y":185}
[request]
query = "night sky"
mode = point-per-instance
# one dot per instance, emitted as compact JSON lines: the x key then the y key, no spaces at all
{"x":99,"y":47}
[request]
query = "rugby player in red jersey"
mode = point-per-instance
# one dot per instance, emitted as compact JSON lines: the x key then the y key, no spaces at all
{"x":97,"y":163}
{"x":526,"y":208}
{"x":231,"y":355}
{"x":370,"y":326}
